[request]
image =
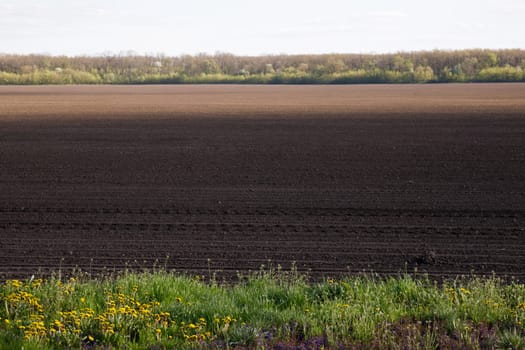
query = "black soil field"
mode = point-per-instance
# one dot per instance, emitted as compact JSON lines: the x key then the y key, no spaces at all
{"x":338,"y":179}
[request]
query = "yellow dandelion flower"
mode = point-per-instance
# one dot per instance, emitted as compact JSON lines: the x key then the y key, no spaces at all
{"x":90,"y":338}
{"x":158,"y":330}
{"x":464,"y":291}
{"x":15,"y":283}
{"x":36,"y":283}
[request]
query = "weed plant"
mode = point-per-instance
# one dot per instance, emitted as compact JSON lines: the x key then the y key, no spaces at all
{"x":269,"y":309}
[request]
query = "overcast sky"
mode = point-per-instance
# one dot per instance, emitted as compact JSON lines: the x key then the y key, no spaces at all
{"x":76,"y":27}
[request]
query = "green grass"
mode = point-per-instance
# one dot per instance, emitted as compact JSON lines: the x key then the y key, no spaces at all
{"x":266,"y":310}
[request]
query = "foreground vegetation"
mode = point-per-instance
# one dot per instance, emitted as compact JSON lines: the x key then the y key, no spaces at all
{"x":404,"y":67}
{"x":267,"y":310}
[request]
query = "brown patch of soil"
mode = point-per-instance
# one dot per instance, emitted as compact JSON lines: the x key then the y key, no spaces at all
{"x":335,"y":178}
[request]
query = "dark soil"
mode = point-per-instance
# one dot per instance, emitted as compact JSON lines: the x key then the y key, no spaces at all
{"x":338,"y":179}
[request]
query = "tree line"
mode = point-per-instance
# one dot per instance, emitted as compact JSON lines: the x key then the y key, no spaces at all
{"x":404,"y":67}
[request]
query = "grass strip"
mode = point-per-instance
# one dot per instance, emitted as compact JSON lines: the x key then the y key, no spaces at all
{"x":269,"y":309}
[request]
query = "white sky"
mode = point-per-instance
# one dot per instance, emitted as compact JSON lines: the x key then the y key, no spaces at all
{"x":76,"y":27}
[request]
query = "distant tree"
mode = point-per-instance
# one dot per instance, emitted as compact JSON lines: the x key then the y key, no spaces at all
{"x":470,"y":66}
{"x":506,"y":73}
{"x":268,"y":69}
{"x":319,"y":69}
{"x":423,"y":74}
{"x":210,"y":66}
{"x":303,"y":67}
{"x":334,"y":65}
{"x":401,"y":64}
{"x":491,"y":59}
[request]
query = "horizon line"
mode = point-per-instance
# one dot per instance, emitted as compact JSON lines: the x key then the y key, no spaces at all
{"x":133,"y":53}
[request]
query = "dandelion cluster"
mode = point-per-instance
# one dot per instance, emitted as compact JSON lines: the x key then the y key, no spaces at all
{"x":458,"y":295}
{"x":120,"y":318}
{"x":166,"y":311}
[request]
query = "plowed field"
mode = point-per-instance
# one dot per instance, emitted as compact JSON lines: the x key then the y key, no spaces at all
{"x":223,"y":178}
